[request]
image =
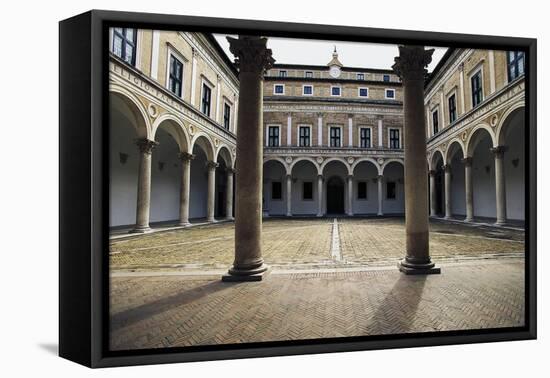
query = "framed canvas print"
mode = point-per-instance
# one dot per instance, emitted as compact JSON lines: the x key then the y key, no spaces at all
{"x":235,"y":188}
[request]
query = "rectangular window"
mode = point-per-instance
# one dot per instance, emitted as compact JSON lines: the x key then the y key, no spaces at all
{"x":307,"y":193}
{"x":206,"y":99}
{"x":282,"y":73}
{"x":452,"y":108}
{"x":175,"y":77}
{"x":386,"y":78}
{"x":477,"y":89}
{"x":516,"y":64}
{"x":363,"y":92}
{"x":226,"y":115}
{"x":273,"y":136}
{"x":360,"y":76}
{"x":335,"y":91}
{"x":362,"y":190}
{"x":279,"y":89}
{"x":276,"y":190}
{"x":308,"y":90}
{"x":435,"y":122}
{"x":124,"y":44}
{"x":365,"y":138}
{"x":394,"y":138}
{"x":305,"y":136}
{"x":391,"y":190}
{"x":335,"y":137}
{"x":309,"y":74}
{"x":390,"y":93}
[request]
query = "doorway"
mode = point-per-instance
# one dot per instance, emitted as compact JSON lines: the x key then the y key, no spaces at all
{"x":335,"y":195}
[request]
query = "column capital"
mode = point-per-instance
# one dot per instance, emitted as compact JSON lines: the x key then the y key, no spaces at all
{"x":412,"y":61}
{"x":319,"y":177}
{"x":350,"y":115}
{"x":467,"y":161}
{"x":498,"y":151}
{"x":185,"y":156}
{"x":461,"y":67}
{"x":380,"y":177}
{"x":288,"y":114}
{"x":146,"y":145}
{"x":320,"y":114}
{"x":288,"y":176}
{"x":432,"y":172}
{"x":251,"y":54}
{"x":212,"y":164}
{"x":194,"y":52}
{"x":447,"y":168}
{"x":230,"y":170}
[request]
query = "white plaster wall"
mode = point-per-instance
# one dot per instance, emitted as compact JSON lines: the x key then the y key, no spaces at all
{"x":365,"y":172}
{"x":165,"y":182}
{"x":458,"y":189}
{"x":483,"y":180}
{"x":515,"y":173}
{"x":199,"y":185}
{"x":394,"y":172}
{"x":304,"y":171}
{"x":123,"y":178}
{"x":274,"y":172}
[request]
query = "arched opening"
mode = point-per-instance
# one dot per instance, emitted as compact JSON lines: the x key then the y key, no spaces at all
{"x":274,"y":188}
{"x":304,"y":188}
{"x":126,"y":124}
{"x":483,"y":174}
{"x":365,"y":188}
{"x":512,"y":135}
{"x":394,"y":188}
{"x":335,"y":195}
{"x":224,"y":161}
{"x":437,"y":166}
{"x":455,"y":158}
{"x":198,"y":195}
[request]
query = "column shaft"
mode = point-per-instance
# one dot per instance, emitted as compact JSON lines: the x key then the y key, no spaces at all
{"x":350,"y":195}
{"x":380,"y":184}
{"x":185,"y":187}
{"x":500,"y":185}
{"x":469,"y":189}
{"x":211,"y":197}
{"x":288,"y":195}
{"x":144,"y":185}
{"x":319,"y":195}
{"x":229,"y":195}
{"x":433,"y":197}
{"x":448,"y":199}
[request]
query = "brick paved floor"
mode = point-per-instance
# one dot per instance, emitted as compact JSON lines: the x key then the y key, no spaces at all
{"x":307,"y":242}
{"x":157,"y":309}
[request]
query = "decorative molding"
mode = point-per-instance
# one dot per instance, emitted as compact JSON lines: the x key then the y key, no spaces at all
{"x":146,"y":146}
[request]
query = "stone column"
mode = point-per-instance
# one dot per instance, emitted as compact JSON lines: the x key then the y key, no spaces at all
{"x":448,"y":200}
{"x":410,"y":66}
{"x":229,"y":194}
{"x":500,"y":184}
{"x":380,"y":194}
{"x":288,"y":195}
{"x":350,"y":195}
{"x":469,"y":189}
{"x":320,"y":195}
{"x":185,"y":159}
{"x":146,"y":147}
{"x":433,"y":197}
{"x":211,"y":197}
{"x":252,"y":60}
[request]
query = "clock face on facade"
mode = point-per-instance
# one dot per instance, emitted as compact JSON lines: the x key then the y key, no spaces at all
{"x":334,"y":71}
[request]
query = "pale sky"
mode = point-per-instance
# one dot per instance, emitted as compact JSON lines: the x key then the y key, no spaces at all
{"x":319,"y":52}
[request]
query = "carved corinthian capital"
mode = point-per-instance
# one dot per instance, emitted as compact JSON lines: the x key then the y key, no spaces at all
{"x":412,"y":62}
{"x":251,"y":54}
{"x":146,"y":146}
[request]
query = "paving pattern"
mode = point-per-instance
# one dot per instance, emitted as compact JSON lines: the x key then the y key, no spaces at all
{"x":151,"y":310}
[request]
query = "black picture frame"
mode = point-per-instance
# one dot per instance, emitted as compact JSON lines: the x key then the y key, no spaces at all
{"x":83,"y":196}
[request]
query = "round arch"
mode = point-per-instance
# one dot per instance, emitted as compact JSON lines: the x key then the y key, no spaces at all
{"x":204,"y":142}
{"x":366,"y":160}
{"x":437,"y":153}
{"x":173,"y":126}
{"x":454,"y":146}
{"x":224,"y":152}
{"x":473,"y":138}
{"x":137,"y":110}
{"x":312,"y":161}
{"x":388,"y":162}
{"x":330,"y":160}
{"x":504,"y":121}
{"x":279,"y":160}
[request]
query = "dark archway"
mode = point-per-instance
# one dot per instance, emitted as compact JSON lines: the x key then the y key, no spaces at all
{"x":335,"y":195}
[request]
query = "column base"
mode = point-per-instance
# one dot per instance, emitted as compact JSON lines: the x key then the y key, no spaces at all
{"x":140,"y":230}
{"x":184,"y":224}
{"x":447,"y":217}
{"x":380,"y":214}
{"x":288,"y":215}
{"x":410,"y":268}
{"x":500,"y":223}
{"x":211,"y":220}
{"x":247,"y":275}
{"x":468,"y":220}
{"x":229,"y":218}
{"x":319,"y":215}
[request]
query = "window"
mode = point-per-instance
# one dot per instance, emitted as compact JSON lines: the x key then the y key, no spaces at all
{"x":124,"y":44}
{"x":279,"y":89}
{"x":309,"y":74}
{"x":307,"y":192}
{"x":335,"y":137}
{"x":477,"y":89}
{"x":282,"y":73}
{"x":335,"y":91}
{"x":516,"y":64}
{"x":365,"y":138}
{"x":390,"y":190}
{"x":175,"y":77}
{"x":386,"y":78}
{"x":394,"y":138}
{"x":206,"y":99}
{"x":390,"y":93}
{"x":435,"y":122}
{"x":276,"y":190}
{"x":360,"y":76}
{"x":304,"y":132}
{"x":363,"y":92}
{"x":452,"y":108}
{"x":362,"y":190}
{"x":226,"y":115}
{"x":273,"y":136}
{"x":308,"y":90}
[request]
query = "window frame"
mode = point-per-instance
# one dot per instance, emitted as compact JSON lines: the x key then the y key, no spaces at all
{"x":283,"y":73}
{"x":339,"y":88}
{"x":304,"y":90}
{"x":135,"y":59}
{"x":359,"y":92}
{"x":329,"y":137}
{"x":280,"y":191}
{"x":275,"y":89}
{"x":361,"y":128}
{"x":267,"y":136}
{"x":435,"y":121}
{"x":366,"y":198}
{"x":230,"y":106}
{"x":210,"y":86}
{"x":516,"y":65}
{"x":477,"y":72}
{"x":387,"y":198}
{"x":307,"y":76}
{"x":386,"y":93}
{"x":360,"y":76}
{"x":384,"y":76}
{"x":390,"y":129}
{"x":174,"y":54}
{"x":452,"y":111}
{"x":300,"y":127}
{"x":303,"y":191}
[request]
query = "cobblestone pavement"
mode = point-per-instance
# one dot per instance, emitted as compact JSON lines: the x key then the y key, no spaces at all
{"x":157,"y":309}
{"x":299,"y":243}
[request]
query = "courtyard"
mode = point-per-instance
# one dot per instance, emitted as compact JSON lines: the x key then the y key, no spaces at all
{"x":330,"y":277}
